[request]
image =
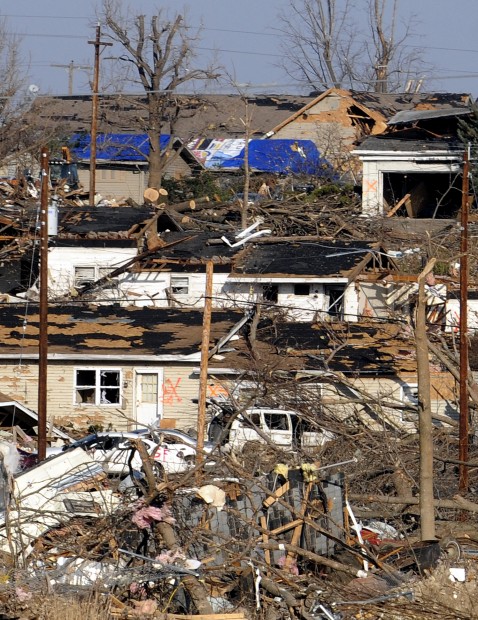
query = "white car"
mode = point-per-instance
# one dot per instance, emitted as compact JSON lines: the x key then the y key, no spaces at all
{"x":173,"y":452}
{"x":283,"y":428}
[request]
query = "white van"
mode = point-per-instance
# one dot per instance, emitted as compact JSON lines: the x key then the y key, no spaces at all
{"x":286,"y":429}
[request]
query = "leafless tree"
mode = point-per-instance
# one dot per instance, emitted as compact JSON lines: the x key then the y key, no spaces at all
{"x":160,"y":52}
{"x":14,"y":98}
{"x":325,"y":47}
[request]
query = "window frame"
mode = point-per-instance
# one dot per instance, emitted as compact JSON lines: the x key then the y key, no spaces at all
{"x":408,"y":400}
{"x":270,"y":293}
{"x":97,"y":387}
{"x":334,"y":295}
{"x":77,"y":281}
{"x":99,"y":272}
{"x":406,"y":393}
{"x":173,"y":284}
{"x":302,"y":289}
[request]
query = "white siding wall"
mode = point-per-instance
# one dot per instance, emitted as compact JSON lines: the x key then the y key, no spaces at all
{"x":62,"y":263}
{"x":157,"y":288}
{"x":302,"y":307}
{"x":453,"y":315}
{"x":372,"y":178}
{"x":154,"y":288}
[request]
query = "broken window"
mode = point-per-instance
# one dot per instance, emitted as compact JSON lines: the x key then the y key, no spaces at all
{"x":84,"y":275}
{"x":409,"y":394}
{"x":334,"y":296}
{"x":179,"y":286}
{"x":255,"y":419}
{"x":276,"y":421}
{"x":270,"y":292}
{"x":97,"y":387}
{"x":301,"y":289}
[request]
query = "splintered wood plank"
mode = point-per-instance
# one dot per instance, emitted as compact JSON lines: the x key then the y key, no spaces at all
{"x":394,"y":209}
{"x":226,"y":616}
{"x":265,"y":539}
{"x":276,"y":495}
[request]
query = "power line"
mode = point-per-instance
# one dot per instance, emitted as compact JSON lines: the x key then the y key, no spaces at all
{"x":260,"y":33}
{"x":30,"y":16}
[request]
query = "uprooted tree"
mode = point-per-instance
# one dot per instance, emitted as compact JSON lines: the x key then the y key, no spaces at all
{"x":160,"y":54}
{"x":324,"y":47}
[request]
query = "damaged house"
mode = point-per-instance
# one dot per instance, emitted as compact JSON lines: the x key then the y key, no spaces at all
{"x":337,"y":119}
{"x":414,"y":169}
{"x":121,"y":163}
{"x":109,"y":366}
{"x":121,"y":368}
{"x":302,"y":279}
{"x":337,"y":374}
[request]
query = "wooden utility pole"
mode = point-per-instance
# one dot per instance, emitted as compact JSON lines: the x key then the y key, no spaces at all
{"x":71,"y":67}
{"x":425,"y":423}
{"x":464,"y":412}
{"x":43,"y":313}
{"x":94,"y":113}
{"x":206,"y":333}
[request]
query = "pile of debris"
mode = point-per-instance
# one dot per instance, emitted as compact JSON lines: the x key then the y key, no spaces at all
{"x":227,"y":541}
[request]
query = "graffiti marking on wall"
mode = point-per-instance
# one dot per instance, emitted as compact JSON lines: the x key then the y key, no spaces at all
{"x":216,"y":390}
{"x":170,"y":392}
{"x":370,"y":186}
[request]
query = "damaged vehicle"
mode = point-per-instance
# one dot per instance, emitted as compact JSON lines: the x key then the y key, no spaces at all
{"x":173,"y":452}
{"x":48,"y":495}
{"x":288,"y":430}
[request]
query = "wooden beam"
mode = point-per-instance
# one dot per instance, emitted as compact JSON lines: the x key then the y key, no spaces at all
{"x":276,"y":494}
{"x":401,"y":202}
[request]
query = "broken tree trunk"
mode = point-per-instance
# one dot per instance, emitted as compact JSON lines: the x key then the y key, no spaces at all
{"x":457,"y":503}
{"x":425,"y":424}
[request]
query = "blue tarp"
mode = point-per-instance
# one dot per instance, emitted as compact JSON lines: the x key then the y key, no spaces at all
{"x":115,"y":146}
{"x":275,"y":156}
{"x":281,"y":156}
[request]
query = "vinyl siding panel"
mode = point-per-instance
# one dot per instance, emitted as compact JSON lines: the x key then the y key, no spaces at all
{"x":117,"y":184}
{"x":180,"y":387}
{"x":342,"y":401}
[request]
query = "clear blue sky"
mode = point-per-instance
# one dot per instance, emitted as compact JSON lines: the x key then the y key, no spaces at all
{"x":243,"y":33}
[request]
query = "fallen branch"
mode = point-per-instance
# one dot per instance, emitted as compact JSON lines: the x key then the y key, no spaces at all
{"x":457,"y":503}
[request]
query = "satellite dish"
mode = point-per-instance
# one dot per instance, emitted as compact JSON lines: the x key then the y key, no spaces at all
{"x":33,"y":89}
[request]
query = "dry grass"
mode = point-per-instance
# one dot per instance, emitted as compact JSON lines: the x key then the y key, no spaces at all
{"x":57,"y":607}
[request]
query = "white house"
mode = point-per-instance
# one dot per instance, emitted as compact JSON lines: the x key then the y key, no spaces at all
{"x":415,"y":165}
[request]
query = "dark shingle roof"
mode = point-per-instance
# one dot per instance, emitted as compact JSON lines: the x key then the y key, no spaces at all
{"x":391,"y":103}
{"x":415,"y":141}
{"x":352,"y":348}
{"x":113,"y":330}
{"x":202,"y":115}
{"x":83,"y":220}
{"x":308,"y":258}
